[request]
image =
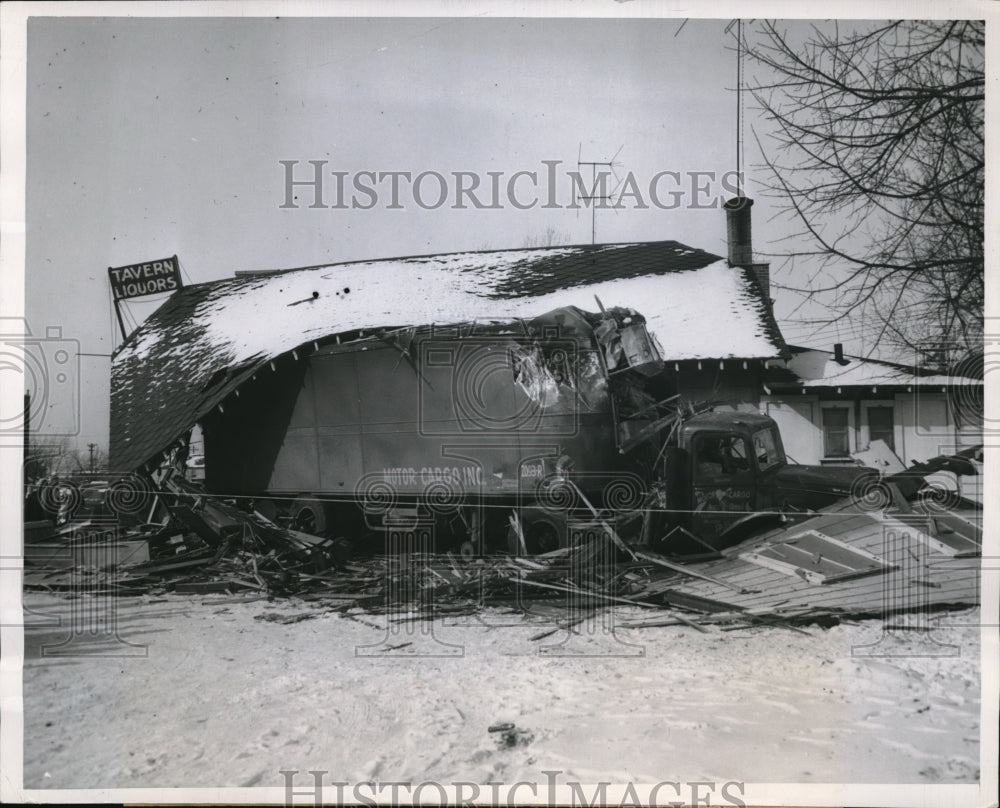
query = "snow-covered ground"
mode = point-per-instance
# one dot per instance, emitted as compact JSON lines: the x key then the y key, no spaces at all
{"x":226,"y":695}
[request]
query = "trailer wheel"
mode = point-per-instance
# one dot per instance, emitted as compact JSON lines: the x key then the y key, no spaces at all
{"x":309,"y":516}
{"x":539,"y":537}
{"x":266,"y":508}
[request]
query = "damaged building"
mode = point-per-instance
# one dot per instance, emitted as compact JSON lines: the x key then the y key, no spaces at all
{"x":506,"y":398}
{"x":445,"y":376}
{"x":578,"y":405}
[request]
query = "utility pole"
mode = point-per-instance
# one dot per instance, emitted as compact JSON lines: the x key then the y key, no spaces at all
{"x":28,"y":477}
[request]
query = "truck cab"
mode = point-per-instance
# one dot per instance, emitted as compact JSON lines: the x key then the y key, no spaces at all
{"x":729,"y":467}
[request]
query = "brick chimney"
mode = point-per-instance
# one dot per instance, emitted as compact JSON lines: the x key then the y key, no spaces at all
{"x":739,"y":239}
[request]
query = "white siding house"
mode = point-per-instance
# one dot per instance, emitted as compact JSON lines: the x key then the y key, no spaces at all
{"x":830,"y":406}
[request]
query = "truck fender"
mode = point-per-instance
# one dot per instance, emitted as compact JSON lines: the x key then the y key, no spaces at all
{"x":749,"y":525}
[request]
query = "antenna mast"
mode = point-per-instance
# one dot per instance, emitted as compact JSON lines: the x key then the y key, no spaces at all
{"x":739,"y":102}
{"x":738,"y":23}
{"x":593,"y":197}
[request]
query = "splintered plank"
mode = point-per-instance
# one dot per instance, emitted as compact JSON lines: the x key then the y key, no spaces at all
{"x":202,"y":587}
{"x":895,"y":590}
{"x":568,"y":625}
{"x":905,"y":576}
{"x":840,"y":524}
{"x":154,"y":568}
{"x":584,"y":594}
{"x":685,"y":570}
{"x":732,"y":579}
{"x":694,"y":603}
{"x":946,"y":532}
{"x":673,"y":619}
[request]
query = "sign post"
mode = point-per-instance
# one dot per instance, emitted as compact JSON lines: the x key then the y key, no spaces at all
{"x":121,"y":323}
{"x":137,"y":280}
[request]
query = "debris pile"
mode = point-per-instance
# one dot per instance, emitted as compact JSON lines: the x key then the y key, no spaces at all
{"x":788,"y":576}
{"x":209,"y":546}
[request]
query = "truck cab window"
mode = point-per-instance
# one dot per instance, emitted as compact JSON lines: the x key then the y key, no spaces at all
{"x":720,"y":456}
{"x":765,"y":448}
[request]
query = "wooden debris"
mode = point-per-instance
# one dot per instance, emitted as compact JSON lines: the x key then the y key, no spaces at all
{"x":515,"y":524}
{"x":561,"y":627}
{"x":284,"y":619}
{"x":607,"y":528}
{"x":671,"y":565}
{"x":202,"y":587}
{"x":206,"y":545}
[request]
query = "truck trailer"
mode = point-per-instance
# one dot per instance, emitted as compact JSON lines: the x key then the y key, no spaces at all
{"x":513,"y":435}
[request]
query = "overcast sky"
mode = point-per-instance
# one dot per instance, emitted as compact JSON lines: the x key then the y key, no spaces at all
{"x":154,"y":137}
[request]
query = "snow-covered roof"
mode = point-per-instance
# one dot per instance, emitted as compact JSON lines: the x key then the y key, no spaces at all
{"x":816,"y":368}
{"x":694,"y":302}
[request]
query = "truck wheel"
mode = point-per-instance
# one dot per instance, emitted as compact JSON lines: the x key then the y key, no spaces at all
{"x":542,"y":537}
{"x":309,"y":516}
{"x":539,"y":537}
{"x":266,"y":508}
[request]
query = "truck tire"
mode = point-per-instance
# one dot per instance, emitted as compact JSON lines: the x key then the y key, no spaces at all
{"x":266,"y":508}
{"x":540,"y":536}
{"x":309,"y":516}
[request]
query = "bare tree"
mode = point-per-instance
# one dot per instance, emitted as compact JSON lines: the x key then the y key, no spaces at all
{"x":92,"y":459}
{"x":550,"y":238}
{"x":44,"y":458}
{"x":56,"y":457}
{"x":880,"y":156}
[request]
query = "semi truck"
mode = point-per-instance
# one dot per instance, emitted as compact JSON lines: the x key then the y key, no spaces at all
{"x":506,"y":435}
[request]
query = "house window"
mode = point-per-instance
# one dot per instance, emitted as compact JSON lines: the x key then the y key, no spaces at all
{"x":881,"y":426}
{"x":836,"y":432}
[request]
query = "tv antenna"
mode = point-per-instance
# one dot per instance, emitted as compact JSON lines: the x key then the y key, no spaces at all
{"x":738,"y":24}
{"x":593,"y":196}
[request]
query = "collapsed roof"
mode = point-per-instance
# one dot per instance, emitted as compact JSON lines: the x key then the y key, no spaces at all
{"x":209,"y":338}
